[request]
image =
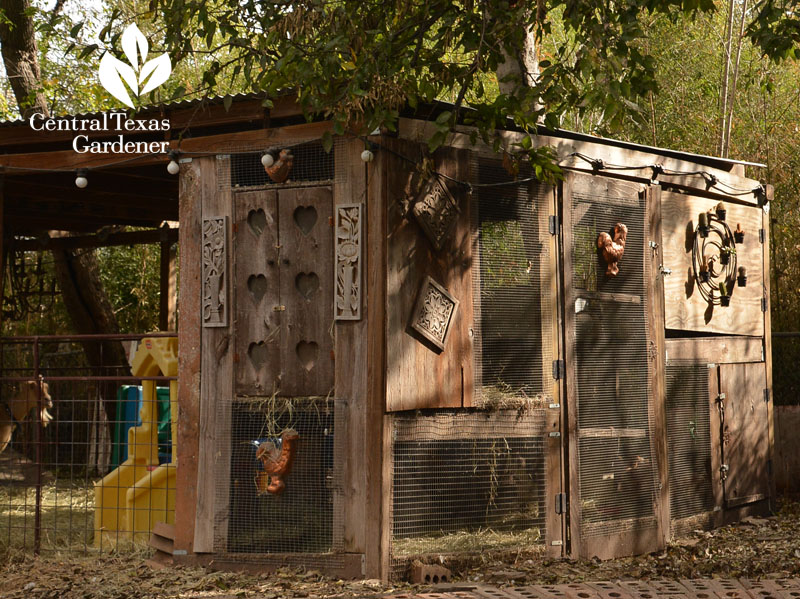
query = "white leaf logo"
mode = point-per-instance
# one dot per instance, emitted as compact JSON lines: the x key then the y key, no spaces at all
{"x":139,"y":79}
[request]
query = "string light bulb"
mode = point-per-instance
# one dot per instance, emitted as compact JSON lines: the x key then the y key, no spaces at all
{"x":267,"y":159}
{"x":80,"y":178}
{"x":173,"y":168}
{"x":367,"y":156}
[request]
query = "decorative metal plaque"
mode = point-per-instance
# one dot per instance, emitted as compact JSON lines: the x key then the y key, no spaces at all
{"x":436,"y":211}
{"x":215,"y":280}
{"x":347,"y":288}
{"x":434,"y":312}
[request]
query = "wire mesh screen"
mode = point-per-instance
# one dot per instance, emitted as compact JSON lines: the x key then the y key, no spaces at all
{"x":73,"y":434}
{"x":785,"y":374}
{"x":618,"y":476}
{"x":305,"y":163}
{"x":689,"y":438}
{"x":513,"y":312}
{"x":298,"y":514}
{"x":467,"y":482}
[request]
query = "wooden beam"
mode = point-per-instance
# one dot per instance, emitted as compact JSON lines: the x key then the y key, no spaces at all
{"x":197,"y":146}
{"x":716,"y":350}
{"x":197,"y":116}
{"x":95,"y":241}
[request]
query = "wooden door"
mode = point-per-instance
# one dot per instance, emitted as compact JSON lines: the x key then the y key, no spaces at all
{"x":613,"y":349}
{"x":283,"y":252}
{"x":744,"y":433}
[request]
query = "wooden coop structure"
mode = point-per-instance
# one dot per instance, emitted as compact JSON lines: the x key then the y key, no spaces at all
{"x":389,"y":356}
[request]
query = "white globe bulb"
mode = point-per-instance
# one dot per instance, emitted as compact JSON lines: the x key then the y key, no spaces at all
{"x":267,"y":159}
{"x":173,"y":168}
{"x":367,"y":156}
{"x":81,"y":181}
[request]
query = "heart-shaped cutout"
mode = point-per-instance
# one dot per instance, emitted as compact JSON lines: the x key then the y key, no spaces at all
{"x":305,"y":217}
{"x":257,"y":286}
{"x":257,"y":352}
{"x":257,"y":219}
{"x":306,"y":283}
{"x":307,"y":352}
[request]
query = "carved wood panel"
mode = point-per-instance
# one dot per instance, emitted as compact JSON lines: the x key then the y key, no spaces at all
{"x":347,"y":286}
{"x":215,"y":275}
{"x":284,"y":292}
{"x":258,"y":316}
{"x":306,"y":289}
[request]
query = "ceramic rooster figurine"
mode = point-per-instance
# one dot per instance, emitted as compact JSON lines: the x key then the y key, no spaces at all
{"x":613,"y":248}
{"x":277,"y":463}
{"x":280,"y":169}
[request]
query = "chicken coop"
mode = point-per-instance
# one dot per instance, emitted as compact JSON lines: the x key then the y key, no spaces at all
{"x":388,"y":355}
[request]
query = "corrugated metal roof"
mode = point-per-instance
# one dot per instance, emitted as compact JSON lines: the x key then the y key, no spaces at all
{"x":438,"y":106}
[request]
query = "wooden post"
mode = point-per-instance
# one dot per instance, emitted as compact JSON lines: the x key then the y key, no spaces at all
{"x":168,"y":296}
{"x":189,"y":337}
{"x":653,"y":256}
{"x":770,"y":191}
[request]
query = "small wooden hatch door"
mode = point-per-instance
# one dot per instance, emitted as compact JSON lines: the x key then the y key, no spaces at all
{"x":745,"y":433}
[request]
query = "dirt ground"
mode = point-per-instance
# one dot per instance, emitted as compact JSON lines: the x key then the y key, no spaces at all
{"x":756,"y":548}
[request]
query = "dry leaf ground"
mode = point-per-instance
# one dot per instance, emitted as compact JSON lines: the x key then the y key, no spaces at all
{"x":756,"y":548}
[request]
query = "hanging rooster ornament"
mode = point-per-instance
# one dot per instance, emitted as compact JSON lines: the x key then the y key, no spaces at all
{"x":280,"y":169}
{"x":613,"y":248}
{"x":277,"y":463}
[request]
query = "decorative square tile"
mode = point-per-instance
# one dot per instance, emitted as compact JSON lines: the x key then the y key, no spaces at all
{"x":434,"y":312}
{"x":436,"y":211}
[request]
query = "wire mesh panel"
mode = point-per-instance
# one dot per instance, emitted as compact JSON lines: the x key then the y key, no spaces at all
{"x":296,"y":515}
{"x":467,"y":482}
{"x":305,"y":162}
{"x":74,"y":427}
{"x":513,"y":313}
{"x":689,"y":438}
{"x":617,"y":470}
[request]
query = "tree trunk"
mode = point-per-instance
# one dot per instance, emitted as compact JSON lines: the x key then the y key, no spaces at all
{"x":21,"y":56}
{"x":522,"y":69}
{"x":78,"y":274}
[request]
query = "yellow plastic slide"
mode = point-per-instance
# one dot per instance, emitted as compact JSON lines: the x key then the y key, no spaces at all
{"x":132,"y":498}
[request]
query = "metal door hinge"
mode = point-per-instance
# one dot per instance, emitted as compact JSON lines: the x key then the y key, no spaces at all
{"x":558,"y":369}
{"x":766,"y":395}
{"x":556,"y":543}
{"x":763,"y":304}
{"x":723,"y":471}
{"x":554,"y":406}
{"x":555,"y":434}
{"x":553,"y":224}
{"x":279,"y":308}
{"x":663,"y":270}
{"x":761,"y":235}
{"x":561,"y":503}
{"x":653,"y":245}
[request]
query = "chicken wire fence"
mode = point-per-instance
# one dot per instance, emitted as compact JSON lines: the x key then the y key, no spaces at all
{"x":689,"y":439}
{"x":305,"y":162}
{"x":466,"y":482}
{"x":68,"y":428}
{"x":513,"y":317}
{"x":305,"y":517}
